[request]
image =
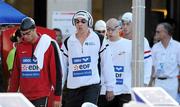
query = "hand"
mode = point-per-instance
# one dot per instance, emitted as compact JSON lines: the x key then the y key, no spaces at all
{"x":57,"y":104}
{"x":152,"y":81}
{"x":109,"y":95}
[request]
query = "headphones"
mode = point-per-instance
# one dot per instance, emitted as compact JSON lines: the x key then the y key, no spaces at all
{"x":90,"y":19}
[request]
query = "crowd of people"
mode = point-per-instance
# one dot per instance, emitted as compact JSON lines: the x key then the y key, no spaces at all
{"x":92,"y":65}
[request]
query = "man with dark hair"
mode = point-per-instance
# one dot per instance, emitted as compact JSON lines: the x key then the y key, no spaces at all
{"x":15,"y":38}
{"x":58,"y":36}
{"x":37,"y":66}
{"x":166,"y":59}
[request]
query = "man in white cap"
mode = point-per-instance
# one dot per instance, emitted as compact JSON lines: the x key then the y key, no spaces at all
{"x":81,"y":52}
{"x":100,"y":27}
{"x":127,"y":25}
{"x":127,"y":29}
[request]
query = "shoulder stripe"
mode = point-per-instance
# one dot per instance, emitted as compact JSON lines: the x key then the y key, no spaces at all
{"x":147,"y":56}
{"x":148,"y":51}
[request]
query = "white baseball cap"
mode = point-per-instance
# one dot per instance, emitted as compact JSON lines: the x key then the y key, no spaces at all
{"x":100,"y":25}
{"x":127,"y":17}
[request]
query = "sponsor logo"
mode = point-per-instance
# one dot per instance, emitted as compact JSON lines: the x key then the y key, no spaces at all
{"x":119,"y":68}
{"x":24,"y":52}
{"x":119,"y":81}
{"x":89,"y":43}
{"x":121,"y":53}
{"x":79,"y":60}
{"x":119,"y":73}
{"x":82,"y":73}
{"x":29,"y":60}
{"x":29,"y":68}
{"x":82,"y":66}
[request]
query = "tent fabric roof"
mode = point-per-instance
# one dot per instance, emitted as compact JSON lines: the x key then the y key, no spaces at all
{"x":9,"y":15}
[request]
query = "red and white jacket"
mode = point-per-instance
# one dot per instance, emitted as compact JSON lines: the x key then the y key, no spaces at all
{"x":32,"y":81}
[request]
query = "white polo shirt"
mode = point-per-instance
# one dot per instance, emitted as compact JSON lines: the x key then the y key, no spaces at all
{"x":166,"y":60}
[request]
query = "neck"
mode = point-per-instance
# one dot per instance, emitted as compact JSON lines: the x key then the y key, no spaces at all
{"x":82,"y":34}
{"x":165,"y":41}
{"x":115,"y":38}
{"x":129,"y":36}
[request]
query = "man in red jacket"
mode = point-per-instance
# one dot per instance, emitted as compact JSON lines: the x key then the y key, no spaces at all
{"x":37,"y":66}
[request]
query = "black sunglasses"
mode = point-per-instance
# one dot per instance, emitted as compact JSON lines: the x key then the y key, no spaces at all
{"x":82,"y":21}
{"x":100,"y":31}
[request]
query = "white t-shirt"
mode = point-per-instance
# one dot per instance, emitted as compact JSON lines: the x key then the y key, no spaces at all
{"x":121,"y":51}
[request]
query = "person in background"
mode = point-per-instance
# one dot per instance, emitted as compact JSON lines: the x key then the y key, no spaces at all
{"x":36,"y":66}
{"x":121,"y":50}
{"x":121,"y":33}
{"x":1,"y":76}
{"x":58,"y":39}
{"x":15,"y":39}
{"x":1,"y":70}
{"x":58,"y":36}
{"x":127,"y":25}
{"x":3,"y":27}
{"x":127,"y":29}
{"x":166,"y":59}
{"x":81,"y":52}
{"x":100,"y":27}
